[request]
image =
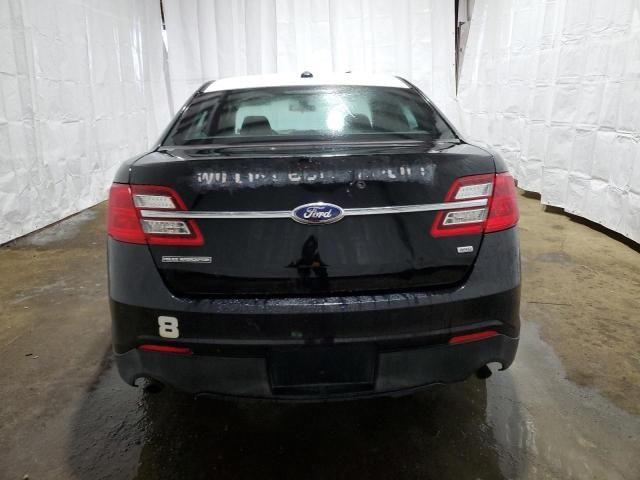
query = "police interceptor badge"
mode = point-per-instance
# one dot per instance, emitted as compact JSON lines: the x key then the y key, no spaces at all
{"x":179,"y":259}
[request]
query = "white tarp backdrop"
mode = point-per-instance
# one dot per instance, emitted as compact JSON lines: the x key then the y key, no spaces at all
{"x":555,"y":87}
{"x":82,"y":88}
{"x":552,"y":84}
{"x":209,"y":39}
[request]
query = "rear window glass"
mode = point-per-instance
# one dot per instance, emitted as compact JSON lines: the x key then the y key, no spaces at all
{"x":307,"y":113}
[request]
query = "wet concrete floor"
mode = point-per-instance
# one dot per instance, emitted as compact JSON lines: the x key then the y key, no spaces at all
{"x":558,"y":412}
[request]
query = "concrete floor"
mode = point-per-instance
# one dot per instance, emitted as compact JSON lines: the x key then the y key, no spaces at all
{"x":568,"y":408}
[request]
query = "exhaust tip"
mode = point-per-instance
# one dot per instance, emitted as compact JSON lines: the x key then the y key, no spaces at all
{"x":484,"y":372}
{"x":152,"y":386}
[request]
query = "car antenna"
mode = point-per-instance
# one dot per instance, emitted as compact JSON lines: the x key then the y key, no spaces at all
{"x":306,"y":74}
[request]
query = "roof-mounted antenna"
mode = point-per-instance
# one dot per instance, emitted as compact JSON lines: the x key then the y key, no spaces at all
{"x":306,"y":74}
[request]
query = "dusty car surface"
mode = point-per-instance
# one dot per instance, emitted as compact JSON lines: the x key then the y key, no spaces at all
{"x":306,"y":237}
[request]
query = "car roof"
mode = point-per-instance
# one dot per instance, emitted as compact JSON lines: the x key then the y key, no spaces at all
{"x":296,"y":79}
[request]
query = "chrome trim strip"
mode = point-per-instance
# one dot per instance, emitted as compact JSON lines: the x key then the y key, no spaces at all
{"x":182,"y":214}
{"x":430,"y":207}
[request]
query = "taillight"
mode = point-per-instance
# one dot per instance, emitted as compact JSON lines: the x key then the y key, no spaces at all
{"x":127,"y":224}
{"x":499,"y":212}
{"x":123,"y":222}
{"x":504,"y":212}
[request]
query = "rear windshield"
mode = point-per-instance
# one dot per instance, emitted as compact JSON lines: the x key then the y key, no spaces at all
{"x":308,"y":114}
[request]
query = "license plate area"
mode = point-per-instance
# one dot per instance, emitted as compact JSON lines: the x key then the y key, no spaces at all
{"x":314,"y":370}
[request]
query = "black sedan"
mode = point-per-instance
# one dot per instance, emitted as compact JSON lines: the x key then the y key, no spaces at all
{"x":312,"y":237}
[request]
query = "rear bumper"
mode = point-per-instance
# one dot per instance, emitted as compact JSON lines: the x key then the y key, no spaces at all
{"x":233,"y":339}
{"x":397,"y":372}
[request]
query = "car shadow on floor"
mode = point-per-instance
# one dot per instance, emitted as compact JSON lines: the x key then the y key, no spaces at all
{"x":122,"y":432}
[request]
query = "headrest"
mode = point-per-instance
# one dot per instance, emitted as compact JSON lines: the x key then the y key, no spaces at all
{"x":256,"y":125}
{"x":388,"y":117}
{"x":357,"y":123}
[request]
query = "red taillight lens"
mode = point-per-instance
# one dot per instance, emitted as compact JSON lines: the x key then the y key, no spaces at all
{"x":500,"y":212}
{"x":128,"y":224}
{"x":123,"y":223}
{"x":504,"y":212}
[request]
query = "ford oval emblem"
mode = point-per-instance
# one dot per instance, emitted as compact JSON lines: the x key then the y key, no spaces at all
{"x":317,"y":213}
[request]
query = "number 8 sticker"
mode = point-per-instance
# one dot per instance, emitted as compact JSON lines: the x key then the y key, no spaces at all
{"x":168,"y":327}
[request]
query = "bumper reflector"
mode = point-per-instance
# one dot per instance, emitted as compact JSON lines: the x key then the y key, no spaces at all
{"x":165,"y":349}
{"x":472,"y":337}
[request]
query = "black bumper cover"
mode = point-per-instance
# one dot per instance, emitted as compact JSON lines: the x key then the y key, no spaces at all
{"x":398,"y":372}
{"x":233,"y":339}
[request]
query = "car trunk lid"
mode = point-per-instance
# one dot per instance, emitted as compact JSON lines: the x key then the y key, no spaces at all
{"x":241,"y":199}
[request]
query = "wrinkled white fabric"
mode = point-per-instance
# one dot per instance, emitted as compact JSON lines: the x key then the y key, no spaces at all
{"x":552,"y":85}
{"x":555,"y":87}
{"x":209,"y":39}
{"x":82,"y":88}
